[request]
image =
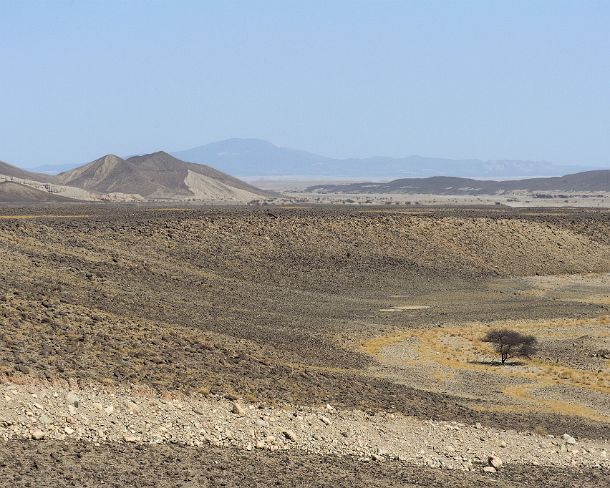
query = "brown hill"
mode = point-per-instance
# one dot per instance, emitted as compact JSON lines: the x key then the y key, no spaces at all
{"x":588,"y":181}
{"x":158,"y":176}
{"x":14,"y":172}
{"x":12,"y":192}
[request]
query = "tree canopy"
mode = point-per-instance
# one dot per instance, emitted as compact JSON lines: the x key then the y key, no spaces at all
{"x":510,"y":343}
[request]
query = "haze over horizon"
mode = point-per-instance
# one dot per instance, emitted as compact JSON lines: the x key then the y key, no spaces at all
{"x":475,"y":80}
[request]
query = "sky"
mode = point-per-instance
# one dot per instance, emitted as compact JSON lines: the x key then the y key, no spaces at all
{"x":487,"y":79}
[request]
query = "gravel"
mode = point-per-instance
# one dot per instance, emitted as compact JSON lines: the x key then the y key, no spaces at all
{"x":86,"y":465}
{"x":140,"y":416}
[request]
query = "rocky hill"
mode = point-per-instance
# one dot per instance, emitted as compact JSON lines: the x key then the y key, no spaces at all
{"x":12,"y":192}
{"x":158,"y":176}
{"x":10,"y":171}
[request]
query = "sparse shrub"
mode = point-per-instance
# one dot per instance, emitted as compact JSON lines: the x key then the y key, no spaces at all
{"x":510,"y":343}
{"x":250,"y":397}
{"x":203,"y":390}
{"x":540,"y":430}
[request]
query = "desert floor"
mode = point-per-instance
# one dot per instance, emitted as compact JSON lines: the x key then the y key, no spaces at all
{"x":302,"y":346}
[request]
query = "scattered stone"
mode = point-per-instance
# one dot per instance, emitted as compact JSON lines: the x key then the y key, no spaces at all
{"x":238,"y":409}
{"x":72,"y":399}
{"x":38,"y":435}
{"x":290,"y":435}
{"x":352,"y":433}
{"x":45,"y":420}
{"x":494,"y":461}
{"x":133,"y":407}
{"x":568,"y":439}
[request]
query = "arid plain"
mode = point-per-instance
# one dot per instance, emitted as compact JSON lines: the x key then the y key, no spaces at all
{"x":328,"y":346}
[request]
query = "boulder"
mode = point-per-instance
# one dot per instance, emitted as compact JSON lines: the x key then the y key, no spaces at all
{"x":494,"y":461}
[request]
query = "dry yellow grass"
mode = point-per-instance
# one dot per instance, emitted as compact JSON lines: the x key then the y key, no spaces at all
{"x":373,"y":346}
{"x":531,"y":403}
{"x":457,"y":349}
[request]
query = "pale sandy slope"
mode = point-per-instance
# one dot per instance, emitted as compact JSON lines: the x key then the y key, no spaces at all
{"x":204,"y":187}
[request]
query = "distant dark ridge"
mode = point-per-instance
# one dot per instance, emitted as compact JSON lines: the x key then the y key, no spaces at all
{"x":587,"y":181}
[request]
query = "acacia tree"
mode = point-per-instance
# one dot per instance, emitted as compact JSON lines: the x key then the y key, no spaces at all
{"x":510,"y":343}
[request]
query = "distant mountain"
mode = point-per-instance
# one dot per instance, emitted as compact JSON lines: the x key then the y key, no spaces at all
{"x":255,"y":157}
{"x":588,"y":181}
{"x":8,"y":170}
{"x":12,"y":192}
{"x":158,"y":176}
{"x":51,"y":169}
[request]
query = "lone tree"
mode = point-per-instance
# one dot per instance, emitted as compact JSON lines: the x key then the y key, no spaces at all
{"x":510,"y":343}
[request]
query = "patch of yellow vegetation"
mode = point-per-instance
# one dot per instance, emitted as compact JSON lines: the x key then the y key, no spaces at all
{"x":530,"y":403}
{"x":373,"y":346}
{"x":460,"y":348}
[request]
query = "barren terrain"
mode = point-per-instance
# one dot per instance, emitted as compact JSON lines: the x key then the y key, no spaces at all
{"x":514,"y":199}
{"x":314,"y":346}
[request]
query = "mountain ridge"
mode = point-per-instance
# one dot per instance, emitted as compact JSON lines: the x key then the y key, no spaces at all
{"x":585,"y":181}
{"x":155,"y":176}
{"x":250,"y":157}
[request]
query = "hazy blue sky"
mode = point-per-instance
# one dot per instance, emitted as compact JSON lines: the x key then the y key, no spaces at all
{"x":463,"y":79}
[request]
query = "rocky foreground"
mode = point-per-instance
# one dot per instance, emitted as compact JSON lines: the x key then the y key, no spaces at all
{"x":138,"y":416}
{"x":238,"y":326}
